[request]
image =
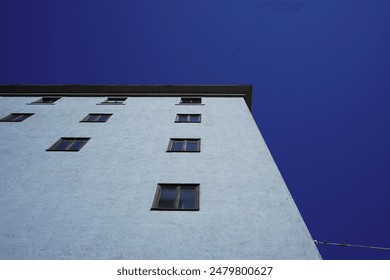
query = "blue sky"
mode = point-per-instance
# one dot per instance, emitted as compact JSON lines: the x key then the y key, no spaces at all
{"x":320,"y":72}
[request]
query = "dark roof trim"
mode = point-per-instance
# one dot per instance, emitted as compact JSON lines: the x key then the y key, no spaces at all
{"x":130,"y":90}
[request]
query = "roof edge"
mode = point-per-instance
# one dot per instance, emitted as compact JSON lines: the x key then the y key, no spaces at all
{"x":129,"y":90}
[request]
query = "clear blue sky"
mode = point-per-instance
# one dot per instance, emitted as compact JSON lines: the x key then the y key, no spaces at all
{"x":320,"y":71}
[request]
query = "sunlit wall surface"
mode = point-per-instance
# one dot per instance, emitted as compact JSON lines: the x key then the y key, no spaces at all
{"x":98,"y":202}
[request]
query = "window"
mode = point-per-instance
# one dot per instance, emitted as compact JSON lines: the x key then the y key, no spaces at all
{"x":96,"y":118}
{"x":67,"y":144}
{"x":114,"y":101}
{"x":179,"y":197}
{"x":16,"y":117}
{"x":184,"y":145}
{"x":191,"y":100}
{"x":188,"y":118}
{"x":46,"y":100}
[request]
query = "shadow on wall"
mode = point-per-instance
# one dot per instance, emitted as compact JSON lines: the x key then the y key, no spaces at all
{"x":281,"y":6}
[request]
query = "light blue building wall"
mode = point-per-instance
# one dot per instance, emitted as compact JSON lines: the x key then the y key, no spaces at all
{"x":95,"y":203}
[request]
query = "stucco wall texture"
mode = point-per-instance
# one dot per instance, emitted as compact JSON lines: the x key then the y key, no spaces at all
{"x":95,"y":203}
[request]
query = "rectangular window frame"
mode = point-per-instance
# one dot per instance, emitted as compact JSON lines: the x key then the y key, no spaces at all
{"x":46,"y":100}
{"x":16,"y":117}
{"x":188,"y":118}
{"x":99,"y":117}
{"x":178,"y":187}
{"x":184,"y":147}
{"x":113,"y":100}
{"x":190,"y":100}
{"x":55,"y":146}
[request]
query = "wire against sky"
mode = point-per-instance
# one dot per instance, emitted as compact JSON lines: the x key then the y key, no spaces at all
{"x":349,"y":245}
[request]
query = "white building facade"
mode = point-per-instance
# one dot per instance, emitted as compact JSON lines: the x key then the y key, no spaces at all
{"x":141,"y":172}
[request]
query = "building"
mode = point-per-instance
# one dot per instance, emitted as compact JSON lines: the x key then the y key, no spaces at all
{"x":141,"y":172}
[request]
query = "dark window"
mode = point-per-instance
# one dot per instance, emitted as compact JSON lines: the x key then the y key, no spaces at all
{"x":69,"y":144}
{"x":191,"y":100}
{"x":176,"y":197}
{"x":16,"y":117}
{"x":188,"y":118}
{"x":184,"y":145}
{"x":46,"y":100}
{"x":114,"y":100}
{"x":96,"y":118}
